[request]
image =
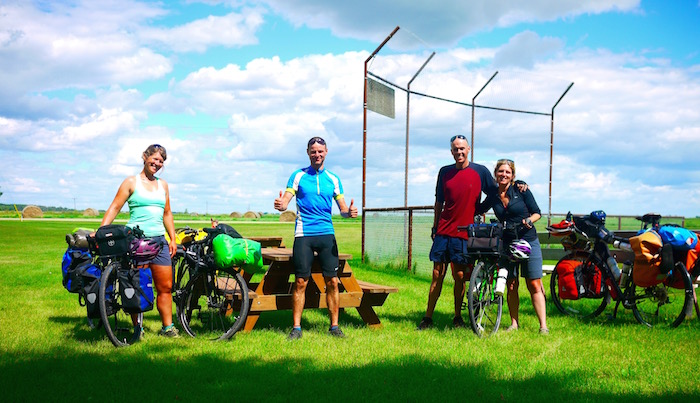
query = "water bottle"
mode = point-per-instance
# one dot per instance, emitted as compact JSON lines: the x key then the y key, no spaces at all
{"x":626,"y":268}
{"x":612,"y":263}
{"x":501,"y":281}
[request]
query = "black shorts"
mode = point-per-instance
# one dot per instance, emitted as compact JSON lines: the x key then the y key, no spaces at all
{"x":327,"y":250}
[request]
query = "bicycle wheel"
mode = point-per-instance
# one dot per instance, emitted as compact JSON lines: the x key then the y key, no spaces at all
{"x":182,"y":271}
{"x":583,"y":308}
{"x":117,"y":323}
{"x":662,"y":304}
{"x":214,"y":304}
{"x":485,"y":307}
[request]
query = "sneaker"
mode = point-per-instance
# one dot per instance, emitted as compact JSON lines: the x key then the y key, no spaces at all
{"x":425,"y":323}
{"x":169,"y":331}
{"x":336,"y":332}
{"x":544,"y":331}
{"x":138,"y":335}
{"x":458,"y":322}
{"x":511,"y":329}
{"x":294,"y":334}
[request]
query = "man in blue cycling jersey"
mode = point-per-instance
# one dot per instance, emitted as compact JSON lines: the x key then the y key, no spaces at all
{"x":315,"y":189}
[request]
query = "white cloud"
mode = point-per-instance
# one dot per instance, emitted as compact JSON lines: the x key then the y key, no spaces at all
{"x":231,"y":30}
{"x":439,"y":23}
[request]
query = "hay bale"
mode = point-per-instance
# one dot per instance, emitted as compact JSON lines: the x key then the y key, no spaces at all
{"x":235,"y":214}
{"x":90,"y":212}
{"x":251,"y":214}
{"x":288,"y":216}
{"x":32,"y":212}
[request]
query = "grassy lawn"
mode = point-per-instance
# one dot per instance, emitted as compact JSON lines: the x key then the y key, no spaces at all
{"x":48,"y":352}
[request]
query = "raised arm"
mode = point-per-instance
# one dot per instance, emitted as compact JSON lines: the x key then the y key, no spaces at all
{"x":125,"y":190}
{"x":282,"y":201}
{"x":346,"y":211}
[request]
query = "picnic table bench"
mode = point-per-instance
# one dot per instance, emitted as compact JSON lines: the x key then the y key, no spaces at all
{"x":273,"y":291}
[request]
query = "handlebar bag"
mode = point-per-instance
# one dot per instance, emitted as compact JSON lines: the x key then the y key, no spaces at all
{"x":484,"y":236}
{"x":113,"y":240}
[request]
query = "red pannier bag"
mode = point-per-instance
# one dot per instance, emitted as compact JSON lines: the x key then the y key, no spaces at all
{"x":690,"y":260}
{"x":576,"y":280}
{"x":567,"y":281}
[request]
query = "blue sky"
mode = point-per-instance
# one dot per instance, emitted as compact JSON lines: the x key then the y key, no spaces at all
{"x":234,"y":89}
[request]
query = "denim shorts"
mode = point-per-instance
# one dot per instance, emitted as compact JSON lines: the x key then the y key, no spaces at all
{"x":448,"y":249}
{"x":163,"y":258}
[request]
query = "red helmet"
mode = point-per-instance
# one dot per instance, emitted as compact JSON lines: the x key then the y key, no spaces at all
{"x":143,"y":249}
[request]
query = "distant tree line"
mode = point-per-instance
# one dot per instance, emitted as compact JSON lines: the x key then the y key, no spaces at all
{"x":6,"y":207}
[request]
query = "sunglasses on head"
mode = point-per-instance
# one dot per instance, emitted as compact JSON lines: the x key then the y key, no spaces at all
{"x":505,"y":161}
{"x":315,"y":140}
{"x":459,"y":136}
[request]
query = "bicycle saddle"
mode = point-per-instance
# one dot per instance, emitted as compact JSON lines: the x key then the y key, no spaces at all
{"x":650,"y":218}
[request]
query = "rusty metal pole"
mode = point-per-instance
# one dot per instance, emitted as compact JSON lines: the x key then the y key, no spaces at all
{"x":410,"y":240}
{"x":364,"y":137}
{"x":551,"y":153}
{"x":408,"y":107}
{"x":471,"y":145}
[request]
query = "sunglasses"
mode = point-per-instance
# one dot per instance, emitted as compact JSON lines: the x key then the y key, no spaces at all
{"x":459,"y":136}
{"x":315,"y":140}
{"x":505,"y":161}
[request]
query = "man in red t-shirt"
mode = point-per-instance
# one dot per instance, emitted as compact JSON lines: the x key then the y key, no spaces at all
{"x":457,"y":201}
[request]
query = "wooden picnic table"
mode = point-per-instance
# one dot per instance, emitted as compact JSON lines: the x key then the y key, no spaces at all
{"x":268,"y":241}
{"x":273,"y":291}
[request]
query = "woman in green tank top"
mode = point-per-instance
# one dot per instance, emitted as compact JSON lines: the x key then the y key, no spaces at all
{"x":149,"y":208}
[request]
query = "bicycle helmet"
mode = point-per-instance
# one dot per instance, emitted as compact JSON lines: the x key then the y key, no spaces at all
{"x":143,"y":249}
{"x":519,"y":250}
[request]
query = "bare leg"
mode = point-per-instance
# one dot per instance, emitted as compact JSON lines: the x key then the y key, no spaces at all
{"x":513,"y":302}
{"x":298,"y":299}
{"x":538,"y":300}
{"x":163,"y":279}
{"x":332,"y":299}
{"x":458,"y":275}
{"x":435,"y":287}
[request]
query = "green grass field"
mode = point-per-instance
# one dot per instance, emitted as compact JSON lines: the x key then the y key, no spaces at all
{"x":47,"y":352}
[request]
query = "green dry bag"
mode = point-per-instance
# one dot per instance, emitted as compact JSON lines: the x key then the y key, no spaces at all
{"x":237,"y":252}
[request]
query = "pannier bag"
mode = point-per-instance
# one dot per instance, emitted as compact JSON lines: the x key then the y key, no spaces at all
{"x":91,"y":288}
{"x":567,"y":282}
{"x":484,"y":236}
{"x":136,"y":289}
{"x":113,"y":240}
{"x":579,"y":280}
{"x":75,"y":261}
{"x":647,"y":259}
{"x":237,"y":252}
{"x":689,"y":258}
{"x":680,"y":238}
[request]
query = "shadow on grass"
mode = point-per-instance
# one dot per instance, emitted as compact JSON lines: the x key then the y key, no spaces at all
{"x":139,"y":377}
